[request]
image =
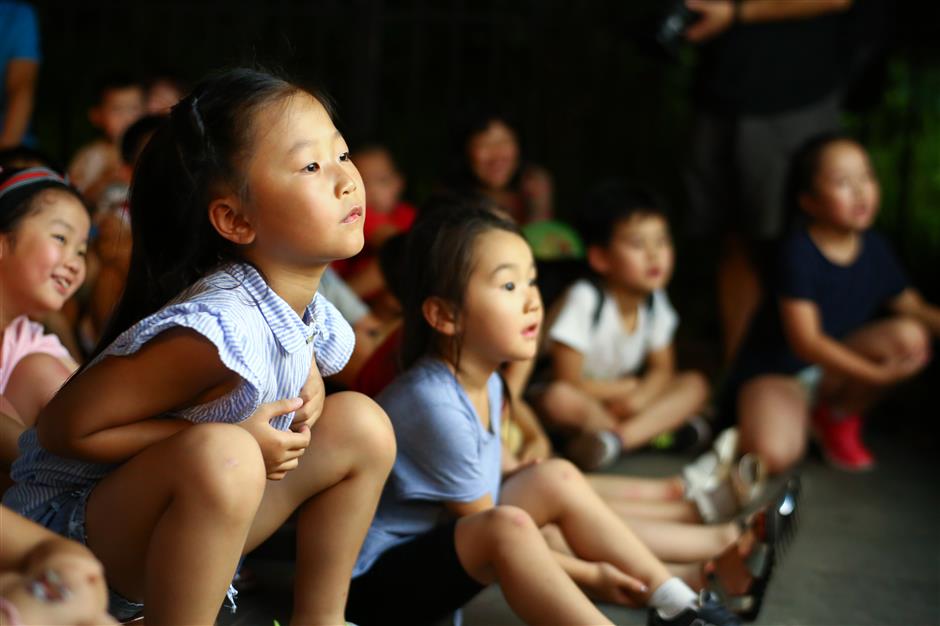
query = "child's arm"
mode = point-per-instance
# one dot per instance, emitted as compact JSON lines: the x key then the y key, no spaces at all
{"x":106,"y":413}
{"x":567,"y":363}
{"x":805,"y":335}
{"x":911,"y":303}
{"x":34,"y":381}
{"x":31,"y":556}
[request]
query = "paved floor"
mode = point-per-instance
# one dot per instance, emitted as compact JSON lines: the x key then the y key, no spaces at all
{"x":867,"y":552}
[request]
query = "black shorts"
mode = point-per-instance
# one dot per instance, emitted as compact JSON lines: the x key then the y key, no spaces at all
{"x":417,"y":582}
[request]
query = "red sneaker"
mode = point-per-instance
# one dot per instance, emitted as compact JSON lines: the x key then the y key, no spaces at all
{"x":841,"y":440}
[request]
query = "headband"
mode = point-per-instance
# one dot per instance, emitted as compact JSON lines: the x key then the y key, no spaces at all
{"x":30,"y":176}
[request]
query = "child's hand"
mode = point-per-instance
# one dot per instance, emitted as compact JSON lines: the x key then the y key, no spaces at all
{"x":281,"y":449}
{"x":715,"y":17}
{"x":609,"y":584}
{"x":64,"y":586}
{"x":312,"y":393}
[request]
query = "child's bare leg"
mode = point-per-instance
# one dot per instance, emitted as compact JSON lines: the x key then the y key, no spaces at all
{"x":504,"y":545}
{"x":691,"y":573}
{"x":336,"y":488}
{"x":684,"y":396}
{"x":565,"y":406}
{"x":556,"y":492}
{"x":678,"y":511}
{"x":169,"y":524}
{"x":629,"y":488}
{"x":888,"y":341}
{"x":684,"y":543}
{"x":670,"y":542}
{"x":773,"y":420}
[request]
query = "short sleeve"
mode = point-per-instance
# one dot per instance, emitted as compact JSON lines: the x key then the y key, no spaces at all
{"x":663,"y":321}
{"x":795,"y":270}
{"x":334,"y":340}
{"x":438,"y":454}
{"x":574,"y":323}
{"x":210,"y":322}
{"x":24,"y":32}
{"x":21,"y":338}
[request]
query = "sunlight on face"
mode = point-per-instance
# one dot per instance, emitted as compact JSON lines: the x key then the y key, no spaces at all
{"x":306,"y":198}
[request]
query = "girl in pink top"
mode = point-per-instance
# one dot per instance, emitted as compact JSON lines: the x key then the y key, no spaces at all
{"x":43,"y":236}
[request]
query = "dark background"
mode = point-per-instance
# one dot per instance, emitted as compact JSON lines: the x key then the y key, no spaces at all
{"x":590,"y":95}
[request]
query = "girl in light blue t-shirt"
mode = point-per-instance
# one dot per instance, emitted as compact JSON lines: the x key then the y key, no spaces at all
{"x":445,"y":527}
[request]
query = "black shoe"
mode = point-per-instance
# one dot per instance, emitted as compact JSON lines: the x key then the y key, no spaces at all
{"x":708,"y":611}
{"x":594,"y":451}
{"x":692,"y":436}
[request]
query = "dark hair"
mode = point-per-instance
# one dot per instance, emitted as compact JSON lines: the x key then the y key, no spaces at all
{"x":200,"y":148}
{"x":805,"y":164}
{"x":137,"y":135}
{"x":611,"y":202}
{"x":19,"y":203}
{"x":23,"y":156}
{"x":391,"y":264}
{"x":438,"y":263}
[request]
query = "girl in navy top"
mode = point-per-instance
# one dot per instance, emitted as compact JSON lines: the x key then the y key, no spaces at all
{"x":200,"y":424}
{"x":816,"y":352}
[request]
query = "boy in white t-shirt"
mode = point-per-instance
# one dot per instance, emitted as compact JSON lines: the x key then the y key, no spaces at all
{"x":615,"y":379}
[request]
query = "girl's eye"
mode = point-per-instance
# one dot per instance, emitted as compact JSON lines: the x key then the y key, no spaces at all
{"x":344,"y":157}
{"x":509,"y":286}
{"x":534,"y":282}
{"x":83,"y":253}
{"x":59,"y":238}
{"x":312,"y":167}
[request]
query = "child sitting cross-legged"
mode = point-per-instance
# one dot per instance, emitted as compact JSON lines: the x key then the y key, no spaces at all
{"x":611,"y":341}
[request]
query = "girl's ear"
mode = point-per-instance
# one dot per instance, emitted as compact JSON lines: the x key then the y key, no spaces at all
{"x":228,"y":219}
{"x":598,"y":260}
{"x":440,"y":316}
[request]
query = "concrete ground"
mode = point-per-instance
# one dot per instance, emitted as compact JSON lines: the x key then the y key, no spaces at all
{"x":867,"y":551}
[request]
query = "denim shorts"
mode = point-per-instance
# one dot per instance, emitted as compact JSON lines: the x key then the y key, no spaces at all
{"x":65,"y":515}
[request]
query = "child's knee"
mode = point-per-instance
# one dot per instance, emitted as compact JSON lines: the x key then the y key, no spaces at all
{"x":910,"y":338}
{"x":221,"y":465}
{"x":554,"y":477}
{"x":779,"y":456}
{"x":506,"y":526}
{"x":364,"y":425}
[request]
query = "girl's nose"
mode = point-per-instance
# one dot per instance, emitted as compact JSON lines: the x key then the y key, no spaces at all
{"x":533,"y":301}
{"x":345,"y":184}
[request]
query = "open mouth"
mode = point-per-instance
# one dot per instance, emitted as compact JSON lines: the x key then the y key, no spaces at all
{"x":531,"y":331}
{"x":62,"y":285}
{"x":353,"y":215}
